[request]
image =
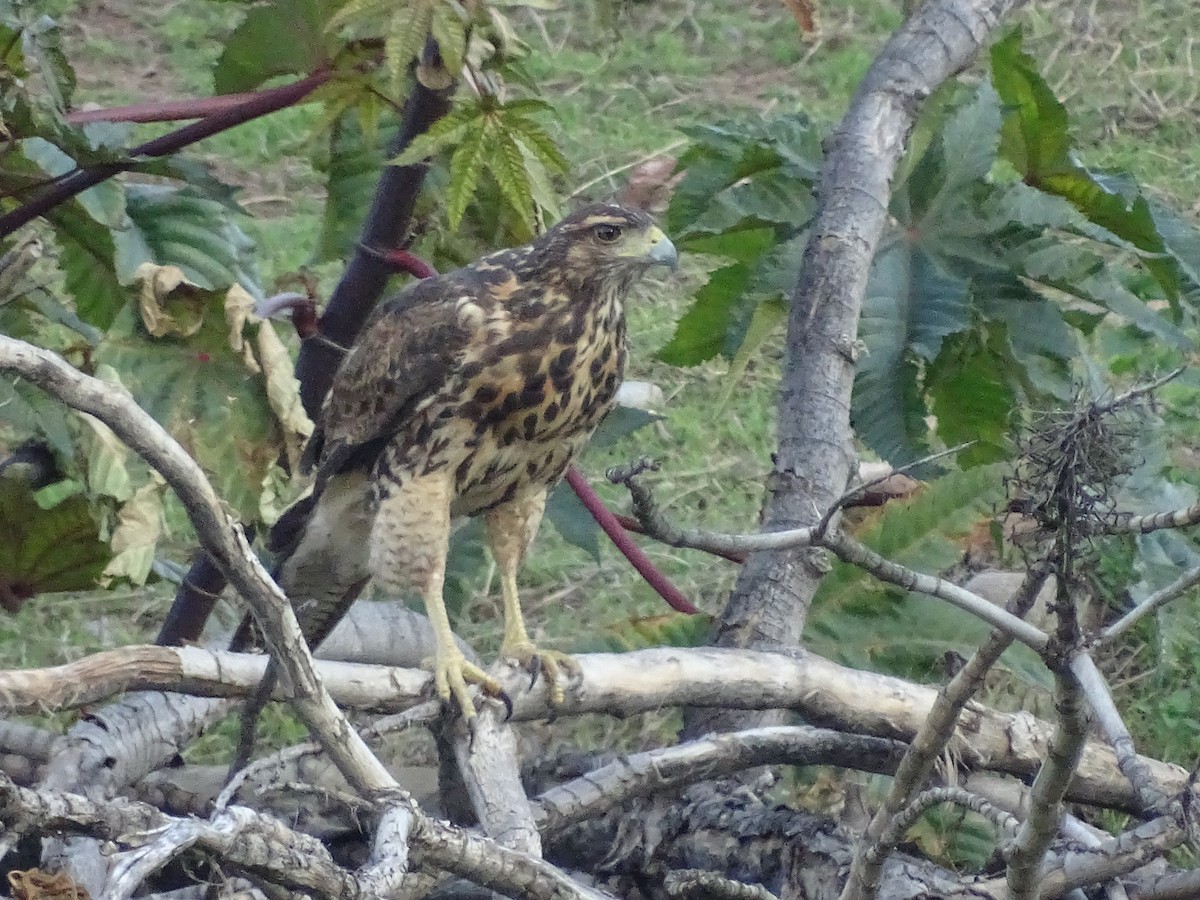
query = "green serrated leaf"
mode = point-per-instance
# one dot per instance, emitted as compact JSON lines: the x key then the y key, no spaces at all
{"x":970,"y":396}
{"x":86,"y":255}
{"x":46,"y":550}
{"x":540,"y":188}
{"x":171,"y":226}
{"x":768,"y":316}
{"x":449,"y":29}
{"x":466,"y":165}
{"x":31,"y":412}
{"x":351,"y":176}
{"x":444,"y":133}
{"x":507,"y":165}
{"x":42,"y":43}
{"x":539,"y":143}
{"x":200,"y":390}
{"x":356,"y":10}
{"x":1182,"y":240}
{"x":734,"y":171}
{"x":700,"y":333}
{"x":1036,"y":140}
{"x":888,"y":410}
{"x":744,"y":242}
{"x":406,"y":37}
{"x":912,"y":301}
{"x":972,"y":136}
{"x":285,"y":37}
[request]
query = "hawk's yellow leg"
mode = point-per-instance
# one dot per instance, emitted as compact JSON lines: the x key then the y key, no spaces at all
{"x":409,"y":543}
{"x":510,"y":530}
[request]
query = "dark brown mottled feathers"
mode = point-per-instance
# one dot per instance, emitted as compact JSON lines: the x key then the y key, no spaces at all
{"x":404,"y":354}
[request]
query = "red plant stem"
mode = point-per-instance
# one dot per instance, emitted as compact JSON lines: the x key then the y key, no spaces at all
{"x":257,"y":104}
{"x":631,"y":551}
{"x":165,"y":110}
{"x":411,"y":263}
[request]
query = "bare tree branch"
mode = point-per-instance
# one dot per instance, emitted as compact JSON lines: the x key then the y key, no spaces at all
{"x":287,"y":857}
{"x":1049,"y":789}
{"x":851,"y":551}
{"x":1095,"y":689}
{"x":266,"y":847}
{"x":715,"y":756}
{"x":838,"y":697}
{"x":486,"y":754}
{"x":698,"y":883}
{"x":1115,"y":857}
{"x":927,"y":800}
{"x":1174,"y":518}
{"x":188,"y":670}
{"x":1149,"y":604}
{"x":842,"y":545}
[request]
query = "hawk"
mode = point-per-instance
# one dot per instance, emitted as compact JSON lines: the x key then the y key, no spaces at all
{"x":468,"y":394}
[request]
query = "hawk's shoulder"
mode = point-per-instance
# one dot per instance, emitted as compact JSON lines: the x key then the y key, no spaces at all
{"x":406,"y":352}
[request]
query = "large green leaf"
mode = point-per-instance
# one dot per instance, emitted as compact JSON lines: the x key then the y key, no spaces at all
{"x":44,"y":550}
{"x":971,"y":396}
{"x":912,"y":304}
{"x":1077,"y":272}
{"x":1037,"y":141}
{"x":201,"y":391}
{"x":762,"y":171}
{"x":30,"y":411}
{"x":172,"y":226}
{"x":41,"y":39}
{"x":36,"y":79}
{"x":87,"y":259}
{"x":888,"y":410}
{"x":351,"y":175}
{"x":700,"y":334}
{"x":722,"y":309}
{"x":570,"y":518}
{"x":284,"y":37}
{"x":1042,"y":344}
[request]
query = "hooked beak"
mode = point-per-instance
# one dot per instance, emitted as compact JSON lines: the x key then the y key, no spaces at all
{"x":662,"y":252}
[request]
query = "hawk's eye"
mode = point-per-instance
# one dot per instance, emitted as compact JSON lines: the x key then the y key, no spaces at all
{"x":606,"y":232}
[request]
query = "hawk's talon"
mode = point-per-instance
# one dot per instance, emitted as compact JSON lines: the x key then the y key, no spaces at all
{"x":552,"y":664}
{"x":451,"y":674}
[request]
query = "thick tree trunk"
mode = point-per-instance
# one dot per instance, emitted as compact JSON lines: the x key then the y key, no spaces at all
{"x":816,"y":458}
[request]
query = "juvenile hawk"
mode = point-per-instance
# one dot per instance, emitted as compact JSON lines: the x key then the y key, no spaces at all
{"x":468,"y":394}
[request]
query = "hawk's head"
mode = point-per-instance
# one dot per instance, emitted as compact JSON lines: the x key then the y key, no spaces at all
{"x":609,"y":243}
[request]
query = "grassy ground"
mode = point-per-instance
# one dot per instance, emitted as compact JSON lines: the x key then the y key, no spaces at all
{"x":624,"y":77}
